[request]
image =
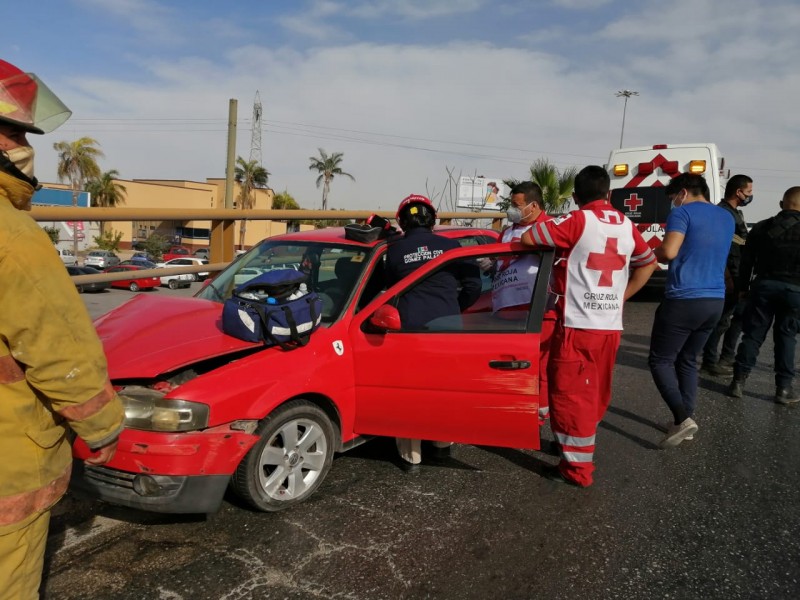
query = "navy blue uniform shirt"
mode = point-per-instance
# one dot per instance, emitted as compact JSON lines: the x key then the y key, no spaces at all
{"x":445,"y":293}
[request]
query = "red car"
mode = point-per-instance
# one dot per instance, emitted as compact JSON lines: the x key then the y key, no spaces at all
{"x":176,"y":252}
{"x":134,"y":284}
{"x":206,"y":411}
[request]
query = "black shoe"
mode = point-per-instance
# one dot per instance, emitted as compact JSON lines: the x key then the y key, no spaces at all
{"x":717,"y":369}
{"x":786,"y":396}
{"x":437,"y":452}
{"x":736,"y":388}
{"x":553,"y":473}
{"x":408,"y":467}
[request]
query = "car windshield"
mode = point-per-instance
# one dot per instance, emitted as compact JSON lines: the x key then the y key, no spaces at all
{"x":333,"y":271}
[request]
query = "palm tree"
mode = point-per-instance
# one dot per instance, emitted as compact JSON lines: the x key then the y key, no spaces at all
{"x":77,"y":163}
{"x":106,"y":192}
{"x":327,"y":167}
{"x":250,"y":175}
{"x":556,"y":186}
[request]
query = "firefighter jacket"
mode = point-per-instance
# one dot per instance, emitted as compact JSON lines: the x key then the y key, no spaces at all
{"x":53,"y":374}
{"x":773,"y":250}
{"x":739,"y":239}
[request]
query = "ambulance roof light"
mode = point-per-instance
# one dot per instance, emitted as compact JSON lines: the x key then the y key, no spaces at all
{"x":645,"y":168}
{"x":697,"y":167}
{"x":670,"y":167}
{"x":660,"y":147}
{"x":620,"y":170}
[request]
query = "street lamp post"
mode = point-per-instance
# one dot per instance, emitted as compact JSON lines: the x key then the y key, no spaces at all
{"x":626,"y":94}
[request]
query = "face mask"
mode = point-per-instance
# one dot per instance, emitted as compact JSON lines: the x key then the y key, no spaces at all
{"x":747,"y":200}
{"x":675,"y":202}
{"x":22,"y":157}
{"x":514,"y":215}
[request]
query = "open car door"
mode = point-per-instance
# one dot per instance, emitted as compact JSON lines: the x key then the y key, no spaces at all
{"x":472,"y":378}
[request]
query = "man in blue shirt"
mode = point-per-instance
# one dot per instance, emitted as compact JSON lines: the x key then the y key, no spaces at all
{"x":696,"y":244}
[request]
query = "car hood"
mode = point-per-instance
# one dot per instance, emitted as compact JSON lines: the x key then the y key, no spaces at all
{"x":148,"y":336}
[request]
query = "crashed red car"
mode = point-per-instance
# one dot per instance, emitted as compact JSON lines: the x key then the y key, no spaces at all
{"x":206,"y":412}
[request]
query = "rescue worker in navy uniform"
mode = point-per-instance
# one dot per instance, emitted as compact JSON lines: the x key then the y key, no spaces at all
{"x":772,"y":253}
{"x":738,"y":193}
{"x":442,"y":295}
{"x":53,"y":373}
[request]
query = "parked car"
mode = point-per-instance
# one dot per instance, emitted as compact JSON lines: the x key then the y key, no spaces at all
{"x":99,"y":286}
{"x":135,"y":283}
{"x":139,"y":262}
{"x":188,"y":261}
{"x":173,"y":282}
{"x":102,"y":259}
{"x":67,"y":257}
{"x":201,"y":253}
{"x":143,"y":256}
{"x":206,"y":411}
{"x":175,"y":252}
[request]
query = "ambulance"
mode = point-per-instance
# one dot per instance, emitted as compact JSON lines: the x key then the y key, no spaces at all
{"x":639,"y":176}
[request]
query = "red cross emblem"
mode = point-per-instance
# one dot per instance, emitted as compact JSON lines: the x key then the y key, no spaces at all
{"x":607,"y":262}
{"x":633,"y":202}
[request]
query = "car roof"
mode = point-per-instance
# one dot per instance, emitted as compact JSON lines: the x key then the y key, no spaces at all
{"x":336,"y":235}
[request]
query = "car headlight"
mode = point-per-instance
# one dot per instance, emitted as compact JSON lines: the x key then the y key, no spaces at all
{"x":146,"y":409}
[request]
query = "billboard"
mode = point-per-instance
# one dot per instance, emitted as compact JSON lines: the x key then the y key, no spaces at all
{"x":481,"y":193}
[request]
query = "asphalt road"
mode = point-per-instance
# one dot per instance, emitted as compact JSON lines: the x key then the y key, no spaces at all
{"x":715,"y":518}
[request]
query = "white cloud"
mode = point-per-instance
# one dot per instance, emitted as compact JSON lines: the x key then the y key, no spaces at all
{"x":414,"y":9}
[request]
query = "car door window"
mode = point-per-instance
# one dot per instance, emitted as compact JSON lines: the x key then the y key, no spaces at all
{"x":507,"y":301}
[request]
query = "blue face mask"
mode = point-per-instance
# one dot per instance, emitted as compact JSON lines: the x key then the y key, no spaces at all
{"x":747,"y":200}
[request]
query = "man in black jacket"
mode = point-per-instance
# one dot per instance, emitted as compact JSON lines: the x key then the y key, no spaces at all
{"x":738,"y":193}
{"x":772,"y":252}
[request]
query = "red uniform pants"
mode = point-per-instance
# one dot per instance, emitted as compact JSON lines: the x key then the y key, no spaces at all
{"x":580,"y":371}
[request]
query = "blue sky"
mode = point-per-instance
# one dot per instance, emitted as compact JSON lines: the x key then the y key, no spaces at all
{"x":411,"y":89}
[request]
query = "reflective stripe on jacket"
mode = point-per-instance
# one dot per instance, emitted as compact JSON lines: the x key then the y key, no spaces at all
{"x":52,"y":367}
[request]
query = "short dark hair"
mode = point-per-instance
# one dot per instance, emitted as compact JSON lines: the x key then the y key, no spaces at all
{"x":694,"y":184}
{"x":591,"y":183}
{"x":532,"y":191}
{"x":735,"y":183}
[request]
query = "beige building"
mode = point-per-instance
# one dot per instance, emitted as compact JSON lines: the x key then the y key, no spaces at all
{"x":158,"y":193}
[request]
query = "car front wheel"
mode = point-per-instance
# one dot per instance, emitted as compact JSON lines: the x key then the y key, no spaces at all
{"x":291,"y":459}
{"x":134,"y":287}
{"x":173,"y":284}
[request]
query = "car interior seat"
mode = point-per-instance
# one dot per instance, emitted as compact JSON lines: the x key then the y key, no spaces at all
{"x":346,"y":271}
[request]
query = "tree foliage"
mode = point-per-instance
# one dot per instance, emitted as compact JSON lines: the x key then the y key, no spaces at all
{"x":155,"y":245}
{"x":557,"y":186}
{"x":53,"y":233}
{"x":250,"y":175}
{"x":106,"y":192}
{"x":77,"y":162}
{"x":327,"y":167}
{"x":284,"y":201}
{"x":108,"y":240}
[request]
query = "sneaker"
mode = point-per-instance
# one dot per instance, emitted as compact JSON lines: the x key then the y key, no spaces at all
{"x":666,"y":426}
{"x":786,"y":396}
{"x":677,"y":433}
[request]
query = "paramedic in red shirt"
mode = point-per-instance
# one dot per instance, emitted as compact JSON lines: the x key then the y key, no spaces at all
{"x":601,"y":261}
{"x":513,"y":280}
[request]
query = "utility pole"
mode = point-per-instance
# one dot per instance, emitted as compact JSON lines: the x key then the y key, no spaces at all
{"x":626,"y":94}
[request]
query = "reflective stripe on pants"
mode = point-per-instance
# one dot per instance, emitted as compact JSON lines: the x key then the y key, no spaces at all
{"x":580,"y":372}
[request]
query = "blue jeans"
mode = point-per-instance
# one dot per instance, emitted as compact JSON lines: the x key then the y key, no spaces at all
{"x":768,"y":300}
{"x":680,"y":329}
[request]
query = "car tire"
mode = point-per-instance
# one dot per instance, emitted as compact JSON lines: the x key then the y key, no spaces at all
{"x":79,"y":288}
{"x":134,"y":287}
{"x":291,"y":459}
{"x":173,"y":284}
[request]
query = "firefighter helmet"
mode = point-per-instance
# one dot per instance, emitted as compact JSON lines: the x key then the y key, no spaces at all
{"x":28,"y":103}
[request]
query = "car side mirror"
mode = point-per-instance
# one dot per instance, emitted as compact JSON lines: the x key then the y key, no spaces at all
{"x":386,"y":318}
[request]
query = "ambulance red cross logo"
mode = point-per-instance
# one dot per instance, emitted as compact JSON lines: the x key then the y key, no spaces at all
{"x":633,"y":202}
{"x":607,"y":262}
